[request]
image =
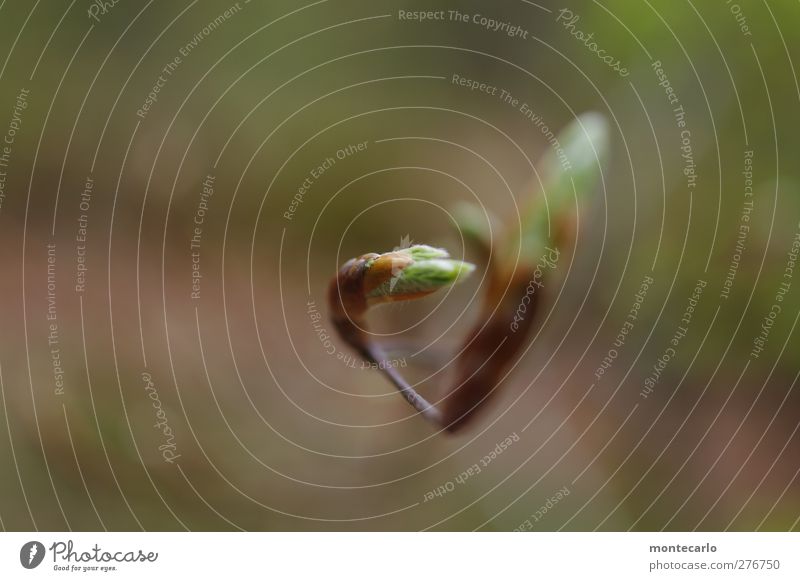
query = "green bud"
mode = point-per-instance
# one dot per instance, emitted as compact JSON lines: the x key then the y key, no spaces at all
{"x":425,"y":252}
{"x":412,"y":272}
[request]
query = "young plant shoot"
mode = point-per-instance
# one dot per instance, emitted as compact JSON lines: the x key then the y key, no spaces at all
{"x":525,"y":253}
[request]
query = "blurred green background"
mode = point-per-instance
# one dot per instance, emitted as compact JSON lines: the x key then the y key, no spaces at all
{"x":228,"y":411}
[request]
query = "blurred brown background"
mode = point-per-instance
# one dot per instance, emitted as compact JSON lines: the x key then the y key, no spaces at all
{"x":227,"y":411}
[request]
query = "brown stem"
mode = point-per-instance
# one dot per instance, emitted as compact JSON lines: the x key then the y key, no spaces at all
{"x":489,"y":349}
{"x":348,"y":305}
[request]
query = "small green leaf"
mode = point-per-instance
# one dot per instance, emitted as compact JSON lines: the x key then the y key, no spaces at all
{"x":476,"y":224}
{"x":585,"y":150}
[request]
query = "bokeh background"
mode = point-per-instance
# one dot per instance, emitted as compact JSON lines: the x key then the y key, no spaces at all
{"x":128,"y":403}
